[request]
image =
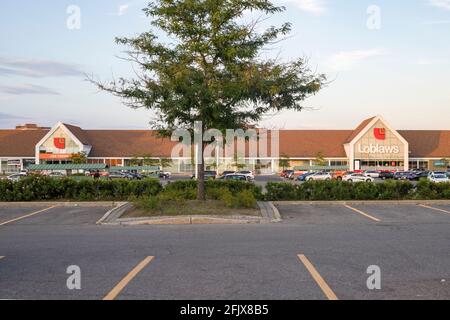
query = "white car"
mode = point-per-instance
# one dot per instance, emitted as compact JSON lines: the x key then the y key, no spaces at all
{"x":319,"y":176}
{"x":438,"y":177}
{"x":247,"y":173}
{"x":357,"y":177}
{"x":372,"y":173}
{"x":15,"y":177}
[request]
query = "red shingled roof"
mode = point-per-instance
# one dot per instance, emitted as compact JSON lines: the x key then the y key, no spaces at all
{"x":293,"y":143}
{"x":20,"y":143}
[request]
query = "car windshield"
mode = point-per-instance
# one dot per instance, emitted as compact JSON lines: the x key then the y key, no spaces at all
{"x":440,"y":176}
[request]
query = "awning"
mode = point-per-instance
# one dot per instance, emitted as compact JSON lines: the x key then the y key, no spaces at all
{"x":69,"y":166}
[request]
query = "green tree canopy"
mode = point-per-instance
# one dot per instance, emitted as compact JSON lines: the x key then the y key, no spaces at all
{"x":200,"y":62}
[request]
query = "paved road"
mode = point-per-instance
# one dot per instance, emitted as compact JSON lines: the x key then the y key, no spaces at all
{"x":410,"y":244}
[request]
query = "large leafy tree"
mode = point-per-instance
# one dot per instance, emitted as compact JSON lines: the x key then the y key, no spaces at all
{"x":201,"y":62}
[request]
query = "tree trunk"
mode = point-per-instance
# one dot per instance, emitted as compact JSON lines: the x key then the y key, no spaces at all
{"x":201,"y":176}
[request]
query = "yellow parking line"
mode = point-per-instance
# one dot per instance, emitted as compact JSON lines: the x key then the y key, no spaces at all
{"x":363,"y":213}
{"x":433,"y":208}
{"x":124,"y":282}
{"x":318,"y":278}
{"x":26,"y":216}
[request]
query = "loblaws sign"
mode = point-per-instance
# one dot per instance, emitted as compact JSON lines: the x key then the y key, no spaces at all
{"x":376,"y":148}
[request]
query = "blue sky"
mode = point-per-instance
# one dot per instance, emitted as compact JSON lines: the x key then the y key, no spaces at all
{"x":399,"y":70}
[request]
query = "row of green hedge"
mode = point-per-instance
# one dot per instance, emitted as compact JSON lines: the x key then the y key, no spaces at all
{"x":339,"y":190}
{"x":40,"y":188}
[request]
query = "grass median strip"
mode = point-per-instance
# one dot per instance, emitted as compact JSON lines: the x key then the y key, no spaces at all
{"x":362,"y":213}
{"x":433,"y":208}
{"x":318,"y":278}
{"x":130,"y":276}
{"x":26,"y":216}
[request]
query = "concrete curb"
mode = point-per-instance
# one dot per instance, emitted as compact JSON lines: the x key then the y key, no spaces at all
{"x":112,"y":217}
{"x":186,"y":220}
{"x":115,"y":212}
{"x":365,"y":202}
{"x":276,"y":213}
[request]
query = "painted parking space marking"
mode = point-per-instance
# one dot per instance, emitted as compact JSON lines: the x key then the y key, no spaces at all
{"x":362,"y":213}
{"x":433,"y":208}
{"x":26,"y":216}
{"x":130,"y":276}
{"x":318,"y":278}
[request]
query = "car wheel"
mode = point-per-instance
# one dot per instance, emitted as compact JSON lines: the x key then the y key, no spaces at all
{"x":368,"y":180}
{"x":339,"y":179}
{"x":327,"y":179}
{"x":350,"y":180}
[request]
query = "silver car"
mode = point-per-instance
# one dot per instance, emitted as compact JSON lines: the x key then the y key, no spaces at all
{"x":319,"y":176}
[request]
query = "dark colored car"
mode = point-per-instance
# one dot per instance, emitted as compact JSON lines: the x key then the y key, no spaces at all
{"x":402,"y":175}
{"x":303,"y":177}
{"x":417,"y":175}
{"x":386,"y":175}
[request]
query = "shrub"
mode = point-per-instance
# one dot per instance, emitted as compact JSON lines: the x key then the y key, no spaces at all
{"x":148,"y":203}
{"x":245,"y":199}
{"x":341,"y":190}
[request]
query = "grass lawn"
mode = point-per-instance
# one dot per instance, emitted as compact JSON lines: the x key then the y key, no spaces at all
{"x":191,"y":207}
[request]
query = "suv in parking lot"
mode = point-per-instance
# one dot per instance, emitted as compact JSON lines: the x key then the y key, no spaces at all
{"x":438,"y":177}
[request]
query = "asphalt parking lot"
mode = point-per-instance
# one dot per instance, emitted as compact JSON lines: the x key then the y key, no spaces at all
{"x":316,"y":252}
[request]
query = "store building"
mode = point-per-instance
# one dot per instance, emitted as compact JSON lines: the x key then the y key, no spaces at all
{"x":374,"y":144}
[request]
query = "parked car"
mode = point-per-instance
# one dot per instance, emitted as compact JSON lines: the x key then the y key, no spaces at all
{"x":402,"y":175}
{"x":304,"y":176}
{"x":15,"y":177}
{"x":438,"y":177}
{"x":372,"y":173}
{"x":236,"y":176}
{"x":56,"y":174}
{"x":417,"y":175}
{"x":208,"y":175}
{"x":285,"y":173}
{"x":357,"y":177}
{"x":319,"y":176}
{"x":247,"y":173}
{"x":119,"y":175}
{"x":164,"y":174}
{"x":386,"y":175}
{"x":338,"y":174}
{"x":227,"y":173}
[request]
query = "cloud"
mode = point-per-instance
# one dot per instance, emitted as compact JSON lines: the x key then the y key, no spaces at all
{"x":6,"y":116}
{"x":123,"y":9}
{"x":35,"y":68}
{"x":24,"y":89}
{"x":443,"y":4}
{"x":310,"y":6}
{"x":347,"y":60}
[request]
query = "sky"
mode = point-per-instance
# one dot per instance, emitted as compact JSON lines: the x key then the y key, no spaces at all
{"x":381,"y":57}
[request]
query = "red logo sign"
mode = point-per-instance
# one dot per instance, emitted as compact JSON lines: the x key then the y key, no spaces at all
{"x":379,"y":133}
{"x":59,"y":143}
